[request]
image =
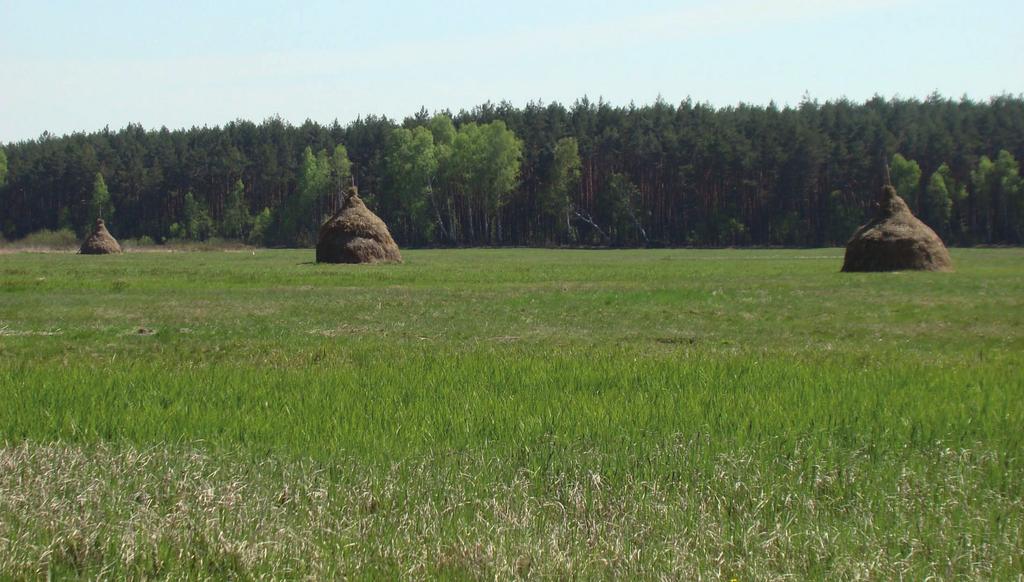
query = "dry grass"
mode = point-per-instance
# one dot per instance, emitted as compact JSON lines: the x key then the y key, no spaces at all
{"x":178,"y":512}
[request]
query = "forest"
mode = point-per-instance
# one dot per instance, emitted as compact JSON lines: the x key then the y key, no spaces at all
{"x":591,"y":174}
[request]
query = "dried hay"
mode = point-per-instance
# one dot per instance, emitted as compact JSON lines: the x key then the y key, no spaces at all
{"x":100,"y":242}
{"x":356,"y":235}
{"x":895,"y":240}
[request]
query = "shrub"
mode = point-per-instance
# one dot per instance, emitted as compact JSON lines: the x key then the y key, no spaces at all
{"x":63,"y":239}
{"x":142,"y":241}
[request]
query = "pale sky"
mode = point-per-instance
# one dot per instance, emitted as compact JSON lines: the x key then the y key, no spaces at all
{"x":70,"y":66}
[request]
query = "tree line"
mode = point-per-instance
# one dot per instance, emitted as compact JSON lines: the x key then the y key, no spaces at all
{"x":588,"y":174}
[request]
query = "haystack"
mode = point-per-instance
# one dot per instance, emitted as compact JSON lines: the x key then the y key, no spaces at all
{"x":100,"y":242}
{"x":356,"y":235}
{"x":895,"y":240}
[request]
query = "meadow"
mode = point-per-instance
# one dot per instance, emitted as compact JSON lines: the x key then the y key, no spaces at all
{"x":498,"y":413}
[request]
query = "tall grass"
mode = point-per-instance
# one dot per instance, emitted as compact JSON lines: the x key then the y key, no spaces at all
{"x":379,"y":402}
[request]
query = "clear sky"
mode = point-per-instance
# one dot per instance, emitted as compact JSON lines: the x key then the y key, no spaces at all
{"x":79,"y":66}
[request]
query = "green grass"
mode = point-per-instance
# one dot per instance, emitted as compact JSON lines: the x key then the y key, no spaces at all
{"x":497,"y":413}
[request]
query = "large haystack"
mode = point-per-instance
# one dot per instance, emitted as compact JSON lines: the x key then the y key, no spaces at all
{"x":895,"y":240}
{"x":356,"y":235}
{"x":100,"y":242}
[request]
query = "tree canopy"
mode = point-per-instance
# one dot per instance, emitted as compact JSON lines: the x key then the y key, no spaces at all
{"x":589,"y":174}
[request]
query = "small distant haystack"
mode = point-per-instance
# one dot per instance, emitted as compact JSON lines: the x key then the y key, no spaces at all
{"x":356,"y":235}
{"x":895,"y":240}
{"x":100,"y":242}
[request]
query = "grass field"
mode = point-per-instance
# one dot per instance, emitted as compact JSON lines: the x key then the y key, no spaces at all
{"x":495,"y":413}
